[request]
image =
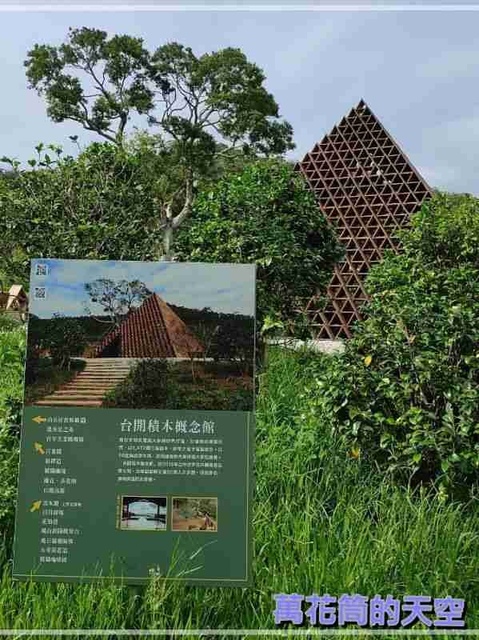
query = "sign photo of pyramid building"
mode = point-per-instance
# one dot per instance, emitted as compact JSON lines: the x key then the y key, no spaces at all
{"x":152,"y":330}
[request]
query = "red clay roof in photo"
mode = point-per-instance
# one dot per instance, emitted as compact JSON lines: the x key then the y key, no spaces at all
{"x":152,"y":330}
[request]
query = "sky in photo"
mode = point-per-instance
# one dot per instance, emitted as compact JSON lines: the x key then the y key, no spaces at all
{"x":418,"y":72}
{"x":227,"y":288}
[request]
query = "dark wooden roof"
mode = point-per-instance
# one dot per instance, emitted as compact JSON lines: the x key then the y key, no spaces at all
{"x":368,"y":189}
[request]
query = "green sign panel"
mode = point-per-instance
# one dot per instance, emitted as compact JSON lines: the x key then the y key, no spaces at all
{"x":137,"y":438}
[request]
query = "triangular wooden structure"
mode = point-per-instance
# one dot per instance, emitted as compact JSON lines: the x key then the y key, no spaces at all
{"x":152,"y":330}
{"x":368,"y":189}
{"x":14,"y":303}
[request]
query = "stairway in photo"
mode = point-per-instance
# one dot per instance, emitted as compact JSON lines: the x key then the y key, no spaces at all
{"x":90,"y":386}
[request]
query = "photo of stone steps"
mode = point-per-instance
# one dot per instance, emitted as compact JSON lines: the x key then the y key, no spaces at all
{"x":90,"y":386}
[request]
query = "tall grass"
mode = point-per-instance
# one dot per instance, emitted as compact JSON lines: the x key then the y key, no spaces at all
{"x":323,"y":523}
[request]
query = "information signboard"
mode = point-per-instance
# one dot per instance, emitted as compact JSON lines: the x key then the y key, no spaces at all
{"x":137,"y":436}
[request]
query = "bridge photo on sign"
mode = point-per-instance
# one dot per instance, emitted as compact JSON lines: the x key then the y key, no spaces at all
{"x":143,"y":513}
{"x":140,"y":335}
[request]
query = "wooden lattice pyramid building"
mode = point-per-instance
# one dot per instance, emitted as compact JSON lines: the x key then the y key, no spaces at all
{"x":368,"y":189}
{"x":152,"y":330}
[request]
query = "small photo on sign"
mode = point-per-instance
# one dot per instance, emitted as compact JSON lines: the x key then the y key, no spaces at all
{"x":143,"y":513}
{"x":195,"y":514}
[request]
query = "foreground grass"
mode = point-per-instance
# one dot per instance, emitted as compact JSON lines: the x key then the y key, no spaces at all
{"x":323,"y":523}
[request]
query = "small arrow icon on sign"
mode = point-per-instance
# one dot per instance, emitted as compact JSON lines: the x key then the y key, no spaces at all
{"x":36,"y":506}
{"x":39,"y":419}
{"x":39,"y":447}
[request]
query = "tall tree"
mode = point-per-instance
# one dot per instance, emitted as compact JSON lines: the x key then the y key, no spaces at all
{"x":203,"y":105}
{"x":93,"y":80}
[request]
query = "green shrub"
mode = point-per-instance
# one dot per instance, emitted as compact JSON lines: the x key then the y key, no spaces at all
{"x":265,"y":214}
{"x":405,"y":395}
{"x":64,"y":338}
{"x":147,"y":386}
{"x":94,"y":206}
{"x":157,"y":384}
{"x":12,"y":349}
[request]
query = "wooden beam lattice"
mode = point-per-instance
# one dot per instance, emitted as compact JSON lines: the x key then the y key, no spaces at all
{"x":367,"y":188}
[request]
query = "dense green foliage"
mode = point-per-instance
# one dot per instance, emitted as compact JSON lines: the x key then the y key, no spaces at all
{"x":147,"y":385}
{"x":225,"y":336}
{"x":406,"y":392}
{"x":204,"y":106}
{"x":99,"y":82}
{"x":101,"y":205}
{"x":12,"y":345}
{"x":97,"y":206}
{"x":61,"y":337}
{"x":12,"y":349}
{"x":154,"y":384}
{"x":340,"y":440}
{"x":264,"y":214}
{"x":337,"y":523}
{"x":43,"y":377}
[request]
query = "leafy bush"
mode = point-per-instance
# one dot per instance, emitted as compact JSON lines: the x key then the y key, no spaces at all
{"x":405,"y":395}
{"x":95,"y":206}
{"x":63,"y":337}
{"x":212,"y":397}
{"x":43,"y":377}
{"x":147,"y":386}
{"x":265,"y":214}
{"x":154,"y":384}
{"x":12,"y":349}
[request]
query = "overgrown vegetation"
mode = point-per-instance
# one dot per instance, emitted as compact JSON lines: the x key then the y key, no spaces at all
{"x":158,"y":384}
{"x":265,"y":214}
{"x":367,"y":462}
{"x":342,"y":526}
{"x":204,"y":106}
{"x":43,"y":377}
{"x":405,"y":395}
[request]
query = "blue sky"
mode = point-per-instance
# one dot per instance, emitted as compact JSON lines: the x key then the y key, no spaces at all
{"x":418,"y":71}
{"x":227,"y":288}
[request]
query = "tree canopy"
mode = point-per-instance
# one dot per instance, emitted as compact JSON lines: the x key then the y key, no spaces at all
{"x":100,"y":205}
{"x":265,"y":214}
{"x":202,"y":105}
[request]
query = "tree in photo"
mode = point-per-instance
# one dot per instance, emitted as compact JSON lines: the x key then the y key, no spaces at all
{"x":64,"y":338}
{"x":116,"y":298}
{"x":99,"y":205}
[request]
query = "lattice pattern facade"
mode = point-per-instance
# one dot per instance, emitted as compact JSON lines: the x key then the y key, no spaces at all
{"x":368,"y":189}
